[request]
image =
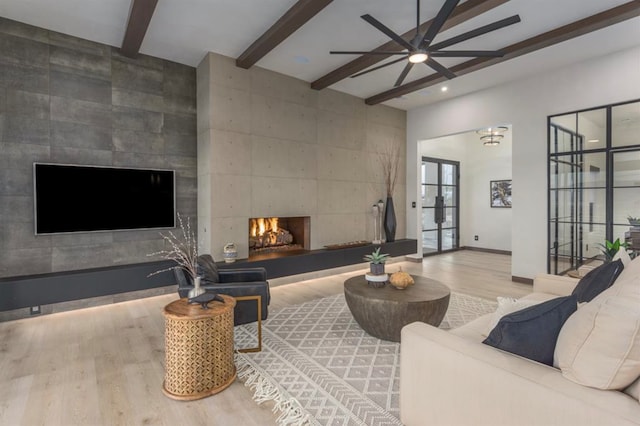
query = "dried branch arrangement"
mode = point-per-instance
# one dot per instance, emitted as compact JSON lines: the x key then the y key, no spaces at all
{"x":184,"y":251}
{"x":390,"y":163}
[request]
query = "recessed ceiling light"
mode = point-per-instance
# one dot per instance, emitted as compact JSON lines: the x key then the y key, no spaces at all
{"x":593,"y":140}
{"x":444,"y":88}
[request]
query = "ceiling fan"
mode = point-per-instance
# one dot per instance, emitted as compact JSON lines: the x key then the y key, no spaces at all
{"x":420,"y":50}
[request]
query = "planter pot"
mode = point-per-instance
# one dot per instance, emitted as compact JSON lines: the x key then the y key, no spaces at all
{"x":376,"y":268}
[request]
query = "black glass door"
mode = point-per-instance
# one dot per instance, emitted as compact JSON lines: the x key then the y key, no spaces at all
{"x":440,"y":205}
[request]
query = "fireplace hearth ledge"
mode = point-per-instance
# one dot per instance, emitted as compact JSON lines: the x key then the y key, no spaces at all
{"x":316,"y":260}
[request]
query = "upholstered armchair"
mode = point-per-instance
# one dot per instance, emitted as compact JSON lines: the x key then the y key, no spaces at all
{"x":232,"y":282}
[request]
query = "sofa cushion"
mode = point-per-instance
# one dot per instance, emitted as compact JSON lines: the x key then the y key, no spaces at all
{"x":473,"y":330}
{"x":599,"y":346}
{"x":626,"y":285}
{"x":536,"y":298}
{"x":532,"y":332}
{"x":506,"y":305}
{"x":598,"y":280}
{"x":630,"y":276}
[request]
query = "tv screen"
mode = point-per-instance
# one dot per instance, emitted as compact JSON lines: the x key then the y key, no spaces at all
{"x":74,"y":198}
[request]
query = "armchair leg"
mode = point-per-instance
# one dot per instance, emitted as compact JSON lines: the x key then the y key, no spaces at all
{"x":258,"y":300}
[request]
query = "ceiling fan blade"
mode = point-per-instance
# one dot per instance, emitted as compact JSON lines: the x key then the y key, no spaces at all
{"x":403,"y":74}
{"x":366,"y":52}
{"x":395,"y":61}
{"x":438,"y":22}
{"x":437,"y":66}
{"x":395,"y":37}
{"x":467,"y":54}
{"x":477,"y":32}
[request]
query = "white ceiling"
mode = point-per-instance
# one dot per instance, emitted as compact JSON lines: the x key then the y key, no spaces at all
{"x":185,"y":30}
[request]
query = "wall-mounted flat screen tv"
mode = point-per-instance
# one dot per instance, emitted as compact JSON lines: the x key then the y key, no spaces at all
{"x":78,"y":198}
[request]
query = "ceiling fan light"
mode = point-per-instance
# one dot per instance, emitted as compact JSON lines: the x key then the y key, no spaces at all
{"x":418,"y":57}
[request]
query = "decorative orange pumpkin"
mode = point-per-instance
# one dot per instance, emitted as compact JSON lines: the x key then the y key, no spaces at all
{"x":401,"y":280}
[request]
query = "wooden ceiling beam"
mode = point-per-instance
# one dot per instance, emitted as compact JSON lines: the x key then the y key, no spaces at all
{"x":298,"y":15}
{"x":462,"y":13}
{"x":139,"y":19}
{"x":578,"y":28}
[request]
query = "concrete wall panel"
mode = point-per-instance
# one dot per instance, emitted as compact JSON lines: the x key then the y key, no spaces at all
{"x":282,"y":158}
{"x":306,"y":153}
{"x":231,"y":109}
{"x":276,"y":118}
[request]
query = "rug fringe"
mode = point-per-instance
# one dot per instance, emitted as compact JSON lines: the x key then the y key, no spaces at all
{"x":291,"y":413}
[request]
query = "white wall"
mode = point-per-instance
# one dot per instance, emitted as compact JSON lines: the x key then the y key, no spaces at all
{"x":525,"y":104}
{"x":479,"y":165}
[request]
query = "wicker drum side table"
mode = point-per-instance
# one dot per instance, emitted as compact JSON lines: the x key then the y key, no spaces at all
{"x":198,"y":349}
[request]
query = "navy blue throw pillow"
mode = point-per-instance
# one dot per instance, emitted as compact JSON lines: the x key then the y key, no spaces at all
{"x":597,"y":280}
{"x":532,"y":332}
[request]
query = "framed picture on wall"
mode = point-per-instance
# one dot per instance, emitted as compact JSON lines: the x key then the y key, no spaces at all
{"x":500,"y":192}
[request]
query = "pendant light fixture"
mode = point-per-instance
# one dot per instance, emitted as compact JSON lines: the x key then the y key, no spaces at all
{"x":491,"y":136}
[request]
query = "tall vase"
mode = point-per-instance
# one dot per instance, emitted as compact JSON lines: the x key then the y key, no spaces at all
{"x":390,"y":221}
{"x":196,"y":290}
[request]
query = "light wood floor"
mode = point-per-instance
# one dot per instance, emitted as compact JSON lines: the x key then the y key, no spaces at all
{"x":104,"y":365}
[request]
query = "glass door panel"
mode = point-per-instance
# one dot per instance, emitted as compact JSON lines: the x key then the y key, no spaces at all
{"x":592,"y":127}
{"x":450,"y":219}
{"x":625,"y":125}
{"x":626,"y":198}
{"x":440,"y":181}
{"x":594,"y":183}
{"x":450,"y":195}
{"x":566,"y":173}
{"x":429,"y":241}
{"x":448,"y":239}
{"x":428,"y":218}
{"x":449,"y":174}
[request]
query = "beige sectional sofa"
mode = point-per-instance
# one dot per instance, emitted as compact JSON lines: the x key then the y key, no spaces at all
{"x":451,"y":378}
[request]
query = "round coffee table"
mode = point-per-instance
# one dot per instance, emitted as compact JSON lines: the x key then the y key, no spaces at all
{"x":382,"y":312}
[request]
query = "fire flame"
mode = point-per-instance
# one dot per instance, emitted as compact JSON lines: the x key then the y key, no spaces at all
{"x":262,"y":225}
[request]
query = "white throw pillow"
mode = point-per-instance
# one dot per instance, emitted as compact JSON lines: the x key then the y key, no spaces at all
{"x":599,"y":345}
{"x":506,"y":305}
{"x":623,"y":255}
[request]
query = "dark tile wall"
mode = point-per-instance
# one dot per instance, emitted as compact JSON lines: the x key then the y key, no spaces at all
{"x":68,"y":100}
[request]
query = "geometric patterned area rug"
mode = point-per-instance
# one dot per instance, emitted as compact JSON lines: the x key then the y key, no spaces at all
{"x":321,"y":368}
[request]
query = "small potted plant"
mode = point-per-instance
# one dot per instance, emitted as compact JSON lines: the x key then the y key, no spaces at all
{"x":376,"y":261}
{"x":609,"y":249}
{"x":634,"y":221}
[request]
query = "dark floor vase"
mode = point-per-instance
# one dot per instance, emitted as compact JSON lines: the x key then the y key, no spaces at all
{"x":390,"y":221}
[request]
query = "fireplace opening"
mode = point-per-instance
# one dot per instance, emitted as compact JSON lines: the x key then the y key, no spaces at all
{"x":280,"y":235}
